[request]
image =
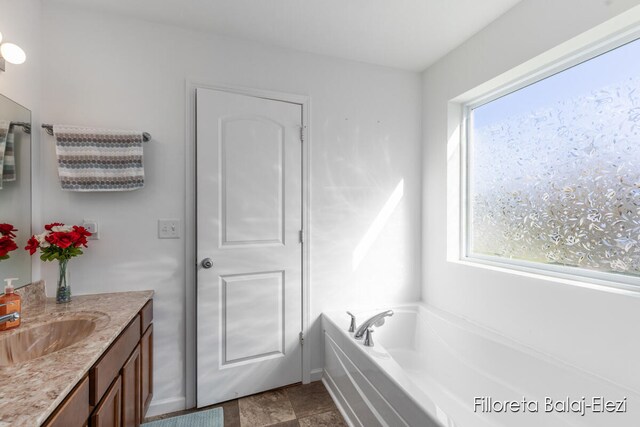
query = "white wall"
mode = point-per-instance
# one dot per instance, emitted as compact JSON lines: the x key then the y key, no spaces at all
{"x":591,"y":329}
{"x":112,"y":71}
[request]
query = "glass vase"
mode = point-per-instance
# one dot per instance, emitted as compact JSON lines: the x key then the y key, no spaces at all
{"x":63,"y":293}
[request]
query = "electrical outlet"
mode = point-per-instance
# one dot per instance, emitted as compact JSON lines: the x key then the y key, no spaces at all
{"x":168,"y":229}
{"x":92,"y":227}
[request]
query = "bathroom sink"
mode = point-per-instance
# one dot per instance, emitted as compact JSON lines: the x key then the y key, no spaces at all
{"x":32,"y":342}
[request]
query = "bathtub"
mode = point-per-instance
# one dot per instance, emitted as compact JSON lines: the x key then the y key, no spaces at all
{"x":430,"y":368}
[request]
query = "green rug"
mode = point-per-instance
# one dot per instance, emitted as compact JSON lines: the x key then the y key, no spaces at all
{"x":209,"y":418}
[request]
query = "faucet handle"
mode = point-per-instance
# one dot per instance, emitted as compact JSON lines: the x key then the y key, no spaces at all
{"x":368,"y":337}
{"x":352,"y":326}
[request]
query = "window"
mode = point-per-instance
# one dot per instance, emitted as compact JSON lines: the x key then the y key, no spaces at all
{"x":553,"y":171}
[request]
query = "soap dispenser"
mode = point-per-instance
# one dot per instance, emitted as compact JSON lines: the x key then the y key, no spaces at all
{"x":10,"y":302}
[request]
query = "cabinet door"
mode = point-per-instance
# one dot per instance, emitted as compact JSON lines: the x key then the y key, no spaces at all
{"x":131,"y":398}
{"x":146,"y":356}
{"x":109,"y":411}
{"x":74,"y":411}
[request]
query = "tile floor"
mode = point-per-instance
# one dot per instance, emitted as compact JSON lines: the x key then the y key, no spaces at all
{"x":299,"y":405}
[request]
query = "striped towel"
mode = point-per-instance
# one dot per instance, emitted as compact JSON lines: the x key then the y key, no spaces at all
{"x":9,"y":167}
{"x":4,"y":131}
{"x":99,"y":159}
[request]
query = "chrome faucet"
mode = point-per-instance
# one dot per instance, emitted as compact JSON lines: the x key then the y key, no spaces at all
{"x":352,"y":325}
{"x":11,"y":317}
{"x":377,"y":320}
{"x":368,"y":339}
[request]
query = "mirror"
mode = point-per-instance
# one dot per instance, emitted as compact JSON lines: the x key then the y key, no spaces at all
{"x":15,"y":187}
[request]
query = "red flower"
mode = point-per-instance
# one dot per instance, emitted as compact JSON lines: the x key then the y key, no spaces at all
{"x":61,"y":240}
{"x":7,"y":230}
{"x":48,"y":227}
{"x":32,"y":245}
{"x":82,"y":234}
{"x":7,"y":245}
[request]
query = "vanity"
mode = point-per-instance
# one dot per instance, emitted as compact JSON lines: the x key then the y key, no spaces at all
{"x":85,"y":363}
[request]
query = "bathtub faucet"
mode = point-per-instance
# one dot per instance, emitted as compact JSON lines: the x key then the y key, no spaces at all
{"x":377,"y":320}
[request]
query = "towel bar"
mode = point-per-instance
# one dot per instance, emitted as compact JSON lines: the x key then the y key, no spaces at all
{"x":26,"y":127}
{"x":146,"y":136}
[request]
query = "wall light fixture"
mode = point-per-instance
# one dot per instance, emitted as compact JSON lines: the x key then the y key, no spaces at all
{"x":10,"y":52}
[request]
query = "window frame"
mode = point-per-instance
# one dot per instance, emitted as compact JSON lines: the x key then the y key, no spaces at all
{"x":568,"y":274}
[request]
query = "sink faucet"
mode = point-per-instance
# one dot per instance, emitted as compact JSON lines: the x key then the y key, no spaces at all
{"x":377,"y":320}
{"x":11,"y":317}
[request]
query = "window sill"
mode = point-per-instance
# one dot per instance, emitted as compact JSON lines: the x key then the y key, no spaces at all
{"x":593,"y":283}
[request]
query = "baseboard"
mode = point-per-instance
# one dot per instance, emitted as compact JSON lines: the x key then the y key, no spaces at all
{"x":316,"y":374}
{"x":166,"y":406}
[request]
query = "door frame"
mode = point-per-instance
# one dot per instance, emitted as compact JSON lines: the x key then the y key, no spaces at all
{"x":190,"y":228}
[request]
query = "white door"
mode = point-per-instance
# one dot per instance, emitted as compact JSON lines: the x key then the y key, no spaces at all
{"x":249,"y":207}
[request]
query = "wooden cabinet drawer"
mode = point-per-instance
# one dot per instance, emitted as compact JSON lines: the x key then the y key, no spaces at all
{"x":109,"y":411}
{"x":75,"y":410}
{"x":108,"y":367}
{"x":146,"y":316}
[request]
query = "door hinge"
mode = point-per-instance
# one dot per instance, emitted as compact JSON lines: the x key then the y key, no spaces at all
{"x":301,"y":236}
{"x":302,"y":134}
{"x":301,"y":336}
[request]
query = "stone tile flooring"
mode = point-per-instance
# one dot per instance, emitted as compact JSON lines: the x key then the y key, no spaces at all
{"x":298,"y":405}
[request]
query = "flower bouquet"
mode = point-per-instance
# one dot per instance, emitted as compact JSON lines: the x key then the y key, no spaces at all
{"x":60,"y":242}
{"x":7,"y":240}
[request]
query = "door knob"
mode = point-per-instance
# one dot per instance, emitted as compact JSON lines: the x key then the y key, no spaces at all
{"x":207,"y":263}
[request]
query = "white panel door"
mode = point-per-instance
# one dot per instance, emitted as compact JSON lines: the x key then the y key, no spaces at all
{"x":249,"y":207}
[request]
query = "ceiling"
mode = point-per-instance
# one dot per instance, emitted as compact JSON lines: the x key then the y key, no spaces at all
{"x":406,"y":34}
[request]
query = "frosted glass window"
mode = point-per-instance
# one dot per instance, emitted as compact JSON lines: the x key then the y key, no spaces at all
{"x":554,"y":169}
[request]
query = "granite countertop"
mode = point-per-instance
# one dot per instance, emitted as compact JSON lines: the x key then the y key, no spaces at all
{"x":30,"y":391}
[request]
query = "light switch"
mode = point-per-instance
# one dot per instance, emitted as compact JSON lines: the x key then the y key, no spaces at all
{"x":168,"y":229}
{"x":92,"y":227}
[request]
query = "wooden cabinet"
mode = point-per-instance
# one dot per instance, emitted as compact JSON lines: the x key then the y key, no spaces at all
{"x":131,"y":379}
{"x":118,"y":388}
{"x":109,"y":411}
{"x":75,"y":410}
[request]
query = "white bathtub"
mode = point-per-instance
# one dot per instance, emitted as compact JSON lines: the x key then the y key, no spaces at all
{"x":427,"y":368}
